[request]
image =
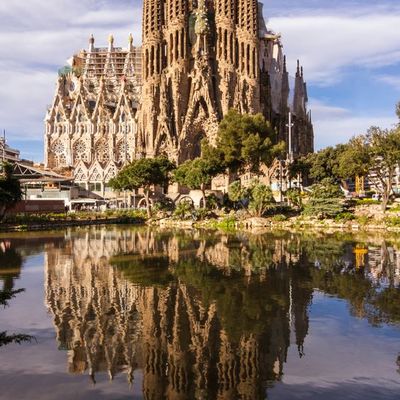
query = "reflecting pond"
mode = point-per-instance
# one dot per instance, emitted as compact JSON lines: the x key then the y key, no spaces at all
{"x":139,"y":313}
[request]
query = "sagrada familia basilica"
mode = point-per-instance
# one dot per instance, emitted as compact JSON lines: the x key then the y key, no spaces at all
{"x":198,"y":59}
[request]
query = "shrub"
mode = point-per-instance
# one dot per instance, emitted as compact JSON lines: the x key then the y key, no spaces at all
{"x":392,"y":221}
{"x":363,"y":202}
{"x":294,"y":197}
{"x":325,"y":200}
{"x":395,"y":208}
{"x":257,"y":198}
{"x":345,"y":216}
{"x":212,"y":202}
{"x":279,"y":218}
{"x":261,"y":199}
{"x":200,"y":214}
{"x":229,"y":222}
{"x":184,"y":210}
{"x":165,"y":204}
{"x":363,"y":220}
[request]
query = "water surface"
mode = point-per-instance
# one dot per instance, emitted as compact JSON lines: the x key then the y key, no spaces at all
{"x":128,"y":313}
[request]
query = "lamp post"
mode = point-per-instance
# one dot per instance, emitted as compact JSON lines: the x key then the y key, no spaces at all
{"x":290,"y":125}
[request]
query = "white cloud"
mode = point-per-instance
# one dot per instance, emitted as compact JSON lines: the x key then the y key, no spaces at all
{"x":36,"y":38}
{"x":327,"y":44}
{"x":335,"y":125}
{"x":393,"y":81}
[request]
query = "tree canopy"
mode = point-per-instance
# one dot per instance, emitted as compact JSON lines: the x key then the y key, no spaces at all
{"x":325,"y":164}
{"x":195,"y":174}
{"x":246,"y":140}
{"x":143,"y":173}
{"x":325,"y":200}
{"x":10,"y":189}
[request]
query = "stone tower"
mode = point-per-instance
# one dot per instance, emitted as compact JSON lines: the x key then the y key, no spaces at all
{"x":202,"y":58}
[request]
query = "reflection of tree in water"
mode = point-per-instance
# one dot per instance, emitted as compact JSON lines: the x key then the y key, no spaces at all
{"x":370,"y":283}
{"x":10,"y":269}
{"x":203,"y":316}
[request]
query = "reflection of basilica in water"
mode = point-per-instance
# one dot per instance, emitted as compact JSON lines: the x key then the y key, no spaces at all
{"x":203,"y":317}
{"x":189,"y":339}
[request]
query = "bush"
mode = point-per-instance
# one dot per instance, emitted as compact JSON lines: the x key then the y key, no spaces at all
{"x":184,"y":210}
{"x":279,"y":218}
{"x":395,"y":208}
{"x":325,"y":201}
{"x":392,"y":221}
{"x":261,"y":198}
{"x":200,"y":214}
{"x":294,"y":197}
{"x":212,"y":202}
{"x":363,"y":202}
{"x":123,"y":215}
{"x":363,"y":220}
{"x":257,"y":198}
{"x":345,"y":216}
{"x":275,"y":209}
{"x":165,"y":205}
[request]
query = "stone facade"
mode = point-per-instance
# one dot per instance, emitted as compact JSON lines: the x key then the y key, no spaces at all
{"x":198,"y":60}
{"x":201,"y":59}
{"x":92,"y":123}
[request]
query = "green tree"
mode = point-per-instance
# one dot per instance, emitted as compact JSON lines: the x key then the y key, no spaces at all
{"x":384,"y":150}
{"x":376,"y":154}
{"x":238,"y":194}
{"x":10,"y":189}
{"x":261,"y":198}
{"x":194,"y":174}
{"x":143,"y":174}
{"x":325,"y":164}
{"x":245,"y":141}
{"x":295,"y":197}
{"x":300,"y":166}
{"x":355,"y":158}
{"x":257,"y":198}
{"x":325,"y":200}
{"x":197,"y":174}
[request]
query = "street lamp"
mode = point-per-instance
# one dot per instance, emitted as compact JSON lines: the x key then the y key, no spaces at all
{"x":290,"y":125}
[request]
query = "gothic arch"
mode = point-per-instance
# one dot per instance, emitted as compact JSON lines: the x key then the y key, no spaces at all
{"x":142,"y":203}
{"x":96,"y":173}
{"x":185,"y":199}
{"x":81,"y":172}
{"x":201,"y":108}
{"x":110,"y":172}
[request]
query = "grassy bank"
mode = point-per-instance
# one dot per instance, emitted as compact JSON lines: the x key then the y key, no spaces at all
{"x":35,"y":222}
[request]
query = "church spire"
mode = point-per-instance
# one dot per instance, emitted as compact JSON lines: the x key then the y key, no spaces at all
{"x":111,"y":43}
{"x":91,"y":43}
{"x":130,"y":40}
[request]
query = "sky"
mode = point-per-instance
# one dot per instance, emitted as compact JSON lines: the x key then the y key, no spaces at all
{"x":350,"y":51}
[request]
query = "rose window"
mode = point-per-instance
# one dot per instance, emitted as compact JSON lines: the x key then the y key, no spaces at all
{"x":58,"y":147}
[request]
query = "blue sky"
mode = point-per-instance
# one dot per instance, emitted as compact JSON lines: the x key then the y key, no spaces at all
{"x":350,"y":50}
